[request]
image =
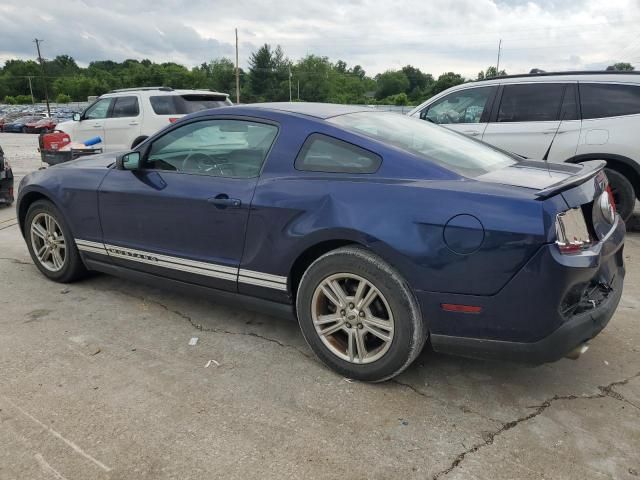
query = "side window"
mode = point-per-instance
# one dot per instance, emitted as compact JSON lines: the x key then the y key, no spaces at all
{"x":600,"y":100}
{"x":220,"y":148}
{"x":125,"y":107}
{"x":530,"y":102}
{"x":321,"y":153}
{"x":98,"y":110}
{"x":466,"y":106}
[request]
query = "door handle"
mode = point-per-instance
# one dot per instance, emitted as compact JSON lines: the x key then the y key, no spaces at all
{"x":472,"y":133}
{"x":97,"y":125}
{"x":223,"y":201}
{"x":134,"y":123}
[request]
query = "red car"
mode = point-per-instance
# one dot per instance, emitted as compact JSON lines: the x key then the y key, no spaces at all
{"x":43,"y":125}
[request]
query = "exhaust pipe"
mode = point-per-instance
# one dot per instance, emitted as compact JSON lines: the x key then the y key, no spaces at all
{"x":576,"y":352}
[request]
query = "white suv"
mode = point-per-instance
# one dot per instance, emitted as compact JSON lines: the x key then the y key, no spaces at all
{"x":560,"y":117}
{"x":124,"y":118}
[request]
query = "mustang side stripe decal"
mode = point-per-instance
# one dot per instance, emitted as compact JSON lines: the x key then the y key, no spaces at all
{"x":263,"y":283}
{"x":223,"y":272}
{"x":262,"y":279}
{"x":263,"y":276}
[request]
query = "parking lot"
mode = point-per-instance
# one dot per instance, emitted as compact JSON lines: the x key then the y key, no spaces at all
{"x":98,"y":381}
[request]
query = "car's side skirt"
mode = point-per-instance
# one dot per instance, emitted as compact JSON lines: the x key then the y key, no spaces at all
{"x":276,"y":309}
{"x":232,"y":274}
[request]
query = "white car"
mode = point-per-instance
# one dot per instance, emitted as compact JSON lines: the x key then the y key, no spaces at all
{"x":560,"y":117}
{"x":124,"y":118}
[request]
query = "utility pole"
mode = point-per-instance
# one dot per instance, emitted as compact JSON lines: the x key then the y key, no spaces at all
{"x":498,"y":64}
{"x":44,"y":75}
{"x":298,"y":90}
{"x":237,"y":72}
{"x":33,"y":102}
{"x":290,"y":99}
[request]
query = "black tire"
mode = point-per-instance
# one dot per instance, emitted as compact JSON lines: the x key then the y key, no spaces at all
{"x":138,"y":141}
{"x":409,"y":330}
{"x":73,"y":268}
{"x":624,"y":194}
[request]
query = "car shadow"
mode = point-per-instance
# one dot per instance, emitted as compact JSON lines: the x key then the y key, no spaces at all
{"x":633,"y":225}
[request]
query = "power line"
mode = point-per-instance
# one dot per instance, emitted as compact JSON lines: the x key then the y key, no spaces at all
{"x":237,"y":71}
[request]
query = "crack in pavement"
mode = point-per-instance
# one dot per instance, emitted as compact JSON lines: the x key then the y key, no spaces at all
{"x":202,"y":328}
{"x":608,"y":391}
{"x":462,"y":408}
{"x":5,"y":227}
{"x":605,"y":391}
{"x":15,"y":260}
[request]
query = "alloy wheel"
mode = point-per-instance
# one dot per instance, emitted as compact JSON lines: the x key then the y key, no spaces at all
{"x":352,"y":318}
{"x":48,"y":242}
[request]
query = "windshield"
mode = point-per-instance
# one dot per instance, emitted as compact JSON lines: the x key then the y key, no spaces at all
{"x":437,"y":144}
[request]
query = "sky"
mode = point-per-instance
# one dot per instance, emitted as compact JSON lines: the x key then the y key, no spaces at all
{"x":434,"y":35}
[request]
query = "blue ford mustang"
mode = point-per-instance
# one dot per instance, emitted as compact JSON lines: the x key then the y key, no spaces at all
{"x":376,"y":230}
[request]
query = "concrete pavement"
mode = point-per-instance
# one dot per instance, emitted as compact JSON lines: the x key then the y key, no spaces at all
{"x":97,"y":381}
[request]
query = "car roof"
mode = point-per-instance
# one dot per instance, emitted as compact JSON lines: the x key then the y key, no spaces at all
{"x":161,"y":91}
{"x":316,"y":110}
{"x":584,"y":73}
{"x":612,"y":77}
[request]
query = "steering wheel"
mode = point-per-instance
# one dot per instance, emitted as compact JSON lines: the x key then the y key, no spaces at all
{"x":450,"y":118}
{"x":201,"y":162}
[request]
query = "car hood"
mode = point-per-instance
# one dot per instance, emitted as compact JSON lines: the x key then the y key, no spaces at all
{"x":102,"y":160}
{"x":66,"y":126}
{"x":532,"y":174}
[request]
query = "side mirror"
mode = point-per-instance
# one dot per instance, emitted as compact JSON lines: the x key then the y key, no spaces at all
{"x":128,"y":161}
{"x":76,"y":117}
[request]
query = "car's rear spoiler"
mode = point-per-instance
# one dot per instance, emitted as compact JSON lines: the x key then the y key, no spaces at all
{"x":589,"y":170}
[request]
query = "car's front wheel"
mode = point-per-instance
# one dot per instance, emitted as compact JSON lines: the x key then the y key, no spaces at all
{"x":359,"y":316}
{"x":51,"y":244}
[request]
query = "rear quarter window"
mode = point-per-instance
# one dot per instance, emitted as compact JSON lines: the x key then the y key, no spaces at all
{"x":608,"y":100}
{"x":185,"y":104}
{"x":321,"y":153}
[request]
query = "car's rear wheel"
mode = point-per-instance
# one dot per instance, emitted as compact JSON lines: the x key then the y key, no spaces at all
{"x":359,"y":316}
{"x":51,"y":244}
{"x":623,"y":192}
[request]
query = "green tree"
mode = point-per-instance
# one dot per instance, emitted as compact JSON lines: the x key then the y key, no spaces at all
{"x":23,"y":99}
{"x":622,"y":67}
{"x":445,"y":81}
{"x":63,"y":98}
{"x":268,"y":74}
{"x":491,"y":72}
{"x":390,"y":83}
{"x":62,"y":65}
{"x":313,"y":73}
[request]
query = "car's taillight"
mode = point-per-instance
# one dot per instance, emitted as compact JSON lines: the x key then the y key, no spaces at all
{"x":572,"y":234}
{"x":173,"y":119}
